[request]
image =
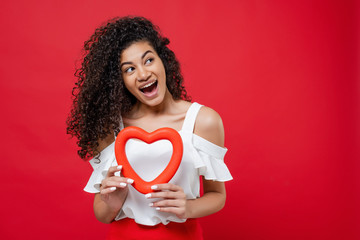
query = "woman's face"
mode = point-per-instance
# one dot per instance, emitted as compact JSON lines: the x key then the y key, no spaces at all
{"x":143,"y":73}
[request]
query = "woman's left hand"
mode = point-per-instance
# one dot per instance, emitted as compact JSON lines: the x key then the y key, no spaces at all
{"x":173,"y":199}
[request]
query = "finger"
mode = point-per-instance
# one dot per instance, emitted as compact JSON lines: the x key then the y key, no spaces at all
{"x":119,"y":179}
{"x":166,"y":194}
{"x":107,"y":190}
{"x":112,"y":170}
{"x":110,"y":184}
{"x":175,"y":210}
{"x":168,"y":203}
{"x":116,"y":182}
{"x":166,"y":186}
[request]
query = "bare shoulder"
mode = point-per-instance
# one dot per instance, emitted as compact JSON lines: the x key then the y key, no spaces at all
{"x":209,"y":126}
{"x":182,"y":106}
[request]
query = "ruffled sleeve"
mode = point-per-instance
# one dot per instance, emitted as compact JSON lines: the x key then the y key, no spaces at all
{"x":209,"y":160}
{"x":101,"y":167}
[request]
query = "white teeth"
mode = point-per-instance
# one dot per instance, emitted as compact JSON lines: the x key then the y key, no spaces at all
{"x":148,"y":85}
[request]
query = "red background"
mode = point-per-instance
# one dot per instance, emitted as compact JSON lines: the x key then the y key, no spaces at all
{"x":284,"y":76}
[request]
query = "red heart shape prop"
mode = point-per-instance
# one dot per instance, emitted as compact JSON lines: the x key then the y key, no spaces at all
{"x":162,"y":133}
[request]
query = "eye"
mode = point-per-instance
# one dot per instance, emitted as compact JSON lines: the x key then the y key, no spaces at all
{"x":129,"y":69}
{"x":149,"y":60}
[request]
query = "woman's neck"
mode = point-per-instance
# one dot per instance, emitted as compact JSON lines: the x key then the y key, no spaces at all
{"x":140,"y":109}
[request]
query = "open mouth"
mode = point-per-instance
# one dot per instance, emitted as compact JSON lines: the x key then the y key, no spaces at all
{"x":150,"y":88}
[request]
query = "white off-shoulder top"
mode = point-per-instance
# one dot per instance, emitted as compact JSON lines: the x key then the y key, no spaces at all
{"x":200,"y":157}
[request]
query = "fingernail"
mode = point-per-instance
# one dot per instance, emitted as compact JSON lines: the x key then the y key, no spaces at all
{"x":119,"y":167}
{"x":113,"y":188}
{"x":148,"y":195}
{"x":157,"y":208}
{"x":130,"y":181}
{"x":151,"y":204}
{"x":123,"y":184}
{"x":154,"y":187}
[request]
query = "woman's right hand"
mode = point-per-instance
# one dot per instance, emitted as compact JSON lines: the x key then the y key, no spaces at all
{"x":114,"y":189}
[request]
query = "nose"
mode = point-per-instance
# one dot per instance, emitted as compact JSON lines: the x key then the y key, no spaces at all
{"x":143,"y":74}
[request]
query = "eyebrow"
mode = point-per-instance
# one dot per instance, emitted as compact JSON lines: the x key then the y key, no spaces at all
{"x":142,"y":57}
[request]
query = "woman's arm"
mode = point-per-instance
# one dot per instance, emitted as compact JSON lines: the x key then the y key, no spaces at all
{"x":113,"y":190}
{"x":209,"y":126}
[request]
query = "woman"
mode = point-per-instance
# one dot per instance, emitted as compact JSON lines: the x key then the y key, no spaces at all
{"x":129,"y":77}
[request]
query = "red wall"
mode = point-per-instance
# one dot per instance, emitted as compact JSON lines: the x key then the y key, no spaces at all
{"x":284,"y":75}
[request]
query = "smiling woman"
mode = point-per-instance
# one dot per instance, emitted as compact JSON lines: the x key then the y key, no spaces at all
{"x":144,"y":73}
{"x":129,"y":77}
{"x":100,"y":95}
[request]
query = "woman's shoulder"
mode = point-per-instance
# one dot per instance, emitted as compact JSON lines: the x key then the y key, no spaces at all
{"x":209,"y":126}
{"x":182,"y":105}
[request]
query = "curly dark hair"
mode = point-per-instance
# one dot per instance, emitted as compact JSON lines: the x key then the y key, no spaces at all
{"x":100,"y":96}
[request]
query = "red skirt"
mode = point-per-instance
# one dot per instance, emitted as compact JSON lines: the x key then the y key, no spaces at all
{"x":128,"y":229}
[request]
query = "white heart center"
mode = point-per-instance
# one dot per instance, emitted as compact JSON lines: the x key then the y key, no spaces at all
{"x":148,"y":160}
